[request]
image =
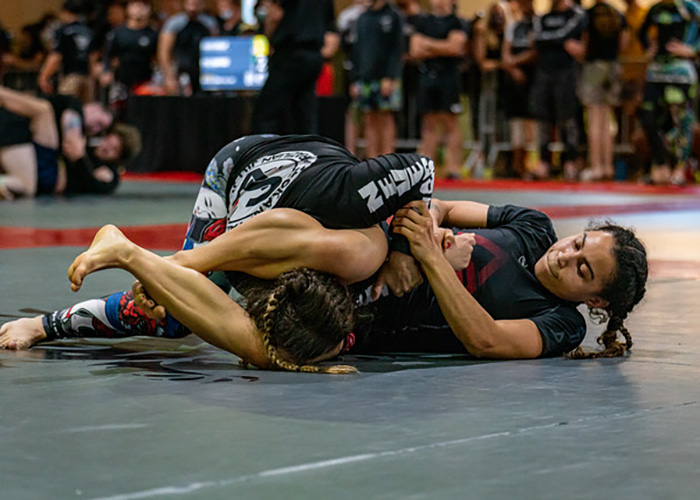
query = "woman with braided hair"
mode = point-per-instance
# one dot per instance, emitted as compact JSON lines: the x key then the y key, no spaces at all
{"x":623,"y":292}
{"x":300,"y":318}
{"x":517,"y":296}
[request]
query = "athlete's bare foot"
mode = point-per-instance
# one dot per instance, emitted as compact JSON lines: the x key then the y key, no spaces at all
{"x":21,"y":334}
{"x":109,"y":249}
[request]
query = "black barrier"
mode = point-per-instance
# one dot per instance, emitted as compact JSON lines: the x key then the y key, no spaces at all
{"x":184,"y":133}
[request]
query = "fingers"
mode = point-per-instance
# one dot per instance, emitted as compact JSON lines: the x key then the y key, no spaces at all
{"x":144,"y":302}
{"x":448,"y":240}
{"x":377,"y":287}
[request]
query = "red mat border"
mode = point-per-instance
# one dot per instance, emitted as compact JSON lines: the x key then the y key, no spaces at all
{"x":482,"y":185}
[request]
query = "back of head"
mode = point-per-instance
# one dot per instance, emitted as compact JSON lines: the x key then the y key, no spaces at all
{"x":131,"y":141}
{"x":302,"y":315}
{"x":623,"y":292}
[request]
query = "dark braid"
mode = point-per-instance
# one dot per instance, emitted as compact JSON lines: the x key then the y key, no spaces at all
{"x":305,"y":315}
{"x":624,"y":290}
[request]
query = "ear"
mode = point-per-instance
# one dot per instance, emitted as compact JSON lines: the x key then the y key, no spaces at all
{"x":448,"y":240}
{"x":597,"y":303}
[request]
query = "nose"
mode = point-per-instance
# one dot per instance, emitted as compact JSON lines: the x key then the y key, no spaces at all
{"x":566,"y":257}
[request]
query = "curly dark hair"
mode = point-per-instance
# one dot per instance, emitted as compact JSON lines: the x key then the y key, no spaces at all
{"x":302,"y":314}
{"x":623,"y":292}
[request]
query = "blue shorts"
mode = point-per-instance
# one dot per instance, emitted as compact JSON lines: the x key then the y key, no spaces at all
{"x":46,"y":169}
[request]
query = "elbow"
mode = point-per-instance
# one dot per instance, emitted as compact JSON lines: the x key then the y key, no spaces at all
{"x":482,"y":349}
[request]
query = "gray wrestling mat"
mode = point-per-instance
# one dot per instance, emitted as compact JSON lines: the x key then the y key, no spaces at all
{"x":149,"y":418}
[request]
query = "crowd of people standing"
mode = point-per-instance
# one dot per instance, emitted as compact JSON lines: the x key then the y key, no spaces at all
{"x":532,"y":96}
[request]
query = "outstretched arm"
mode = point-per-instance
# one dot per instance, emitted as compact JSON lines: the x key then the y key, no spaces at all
{"x":459,"y":213}
{"x":280,"y":240}
{"x":190,"y":297}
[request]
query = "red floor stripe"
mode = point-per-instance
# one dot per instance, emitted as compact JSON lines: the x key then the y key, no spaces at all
{"x":165,"y":237}
{"x":568,"y":211}
{"x":192,"y":177}
{"x":486,"y":185}
{"x":578,"y":187}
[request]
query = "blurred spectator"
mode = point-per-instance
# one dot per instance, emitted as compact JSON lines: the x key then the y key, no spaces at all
{"x":302,"y":34}
{"x":115,"y":16}
{"x":553,"y":98}
{"x":409,"y":120}
{"x":438,"y":44}
{"x":129,"y":52}
{"x":29,"y":52}
{"x":519,"y":64}
{"x":228,"y":15}
{"x":4,"y":44}
{"x":487,"y":49}
{"x":69,"y":54}
{"x":377,"y":85}
{"x":601,"y":84}
{"x":347,"y":28}
{"x":166,"y":10}
{"x":667,"y":111}
{"x":178,"y":47}
{"x":633,"y":57}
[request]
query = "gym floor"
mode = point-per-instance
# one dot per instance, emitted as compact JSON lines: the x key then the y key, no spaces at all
{"x":150,"y":418}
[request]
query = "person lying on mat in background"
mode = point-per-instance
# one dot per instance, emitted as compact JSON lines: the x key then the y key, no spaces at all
{"x":43,"y":146}
{"x":514,"y":297}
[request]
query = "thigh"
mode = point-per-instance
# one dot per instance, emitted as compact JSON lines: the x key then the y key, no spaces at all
{"x":20,"y":162}
{"x":211,"y":209}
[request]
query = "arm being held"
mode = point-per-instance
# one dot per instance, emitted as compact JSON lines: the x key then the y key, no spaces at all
{"x":480,"y":334}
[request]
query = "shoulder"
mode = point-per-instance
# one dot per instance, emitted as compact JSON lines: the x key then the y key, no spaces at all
{"x":175,"y":23}
{"x":209,"y":22}
{"x":562,"y":327}
{"x":532,"y":227}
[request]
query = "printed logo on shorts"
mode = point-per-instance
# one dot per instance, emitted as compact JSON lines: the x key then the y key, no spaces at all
{"x":261,"y":184}
{"x":397,"y":182}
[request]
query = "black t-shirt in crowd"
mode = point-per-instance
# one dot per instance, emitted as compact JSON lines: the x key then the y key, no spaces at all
{"x":379,"y":48}
{"x":304,"y":24}
{"x":500,"y":277}
{"x":552,"y":30}
{"x":605,"y":25}
{"x":439,"y":27}
{"x":74,"y":42}
{"x":134,"y":50}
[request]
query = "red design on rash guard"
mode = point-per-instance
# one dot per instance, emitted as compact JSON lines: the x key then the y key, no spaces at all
{"x":473,"y":278}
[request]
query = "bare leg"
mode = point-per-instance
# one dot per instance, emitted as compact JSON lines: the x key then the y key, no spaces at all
{"x":190,"y":297}
{"x":429,"y":134}
{"x":372,"y":134}
{"x":18,"y":164}
{"x":453,"y":160}
{"x":607,"y":145}
{"x":387,"y":131}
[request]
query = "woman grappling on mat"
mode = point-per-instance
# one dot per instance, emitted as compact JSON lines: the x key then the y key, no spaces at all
{"x":515,"y":295}
{"x":250,"y":176}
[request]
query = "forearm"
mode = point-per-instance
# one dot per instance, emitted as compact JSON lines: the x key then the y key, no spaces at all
{"x":470,"y":323}
{"x":197,"y":303}
{"x":461,"y":213}
{"x":23,"y":104}
{"x":166,"y":44}
{"x":51,"y":65}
